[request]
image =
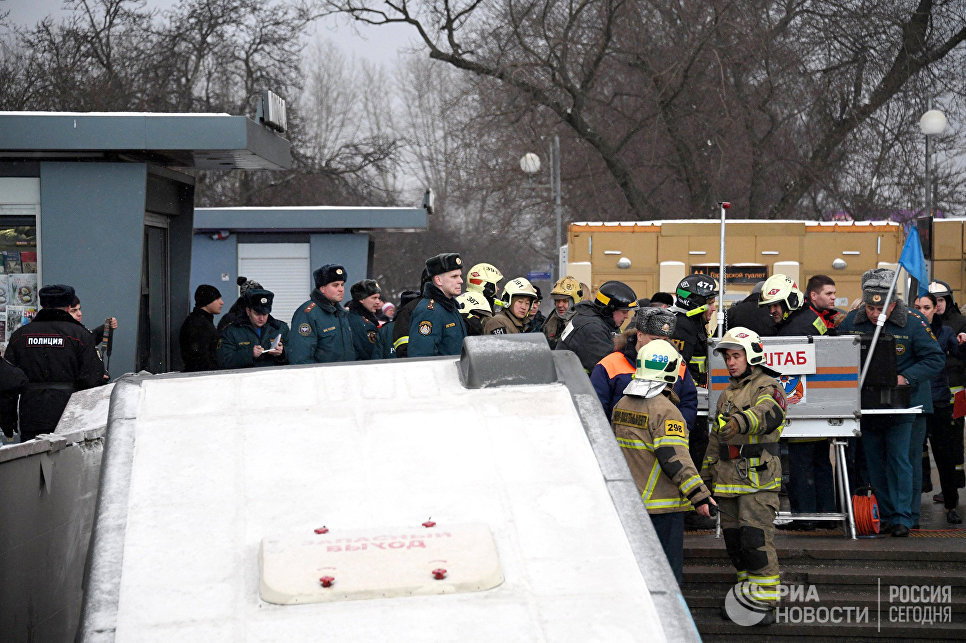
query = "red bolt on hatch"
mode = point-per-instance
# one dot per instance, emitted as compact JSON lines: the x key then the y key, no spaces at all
{"x":327,"y":581}
{"x":439,"y":573}
{"x":322,"y":530}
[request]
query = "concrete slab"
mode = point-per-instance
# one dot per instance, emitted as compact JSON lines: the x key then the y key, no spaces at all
{"x":217,"y":463}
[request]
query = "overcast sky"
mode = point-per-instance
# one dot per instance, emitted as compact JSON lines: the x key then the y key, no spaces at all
{"x":379,"y":44}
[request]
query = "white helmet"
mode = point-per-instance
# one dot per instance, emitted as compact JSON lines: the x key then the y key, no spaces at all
{"x":658,"y":365}
{"x":483,"y":277}
{"x":741,"y":338}
{"x":780,"y":289}
{"x":473,"y":302}
{"x":518,"y":287}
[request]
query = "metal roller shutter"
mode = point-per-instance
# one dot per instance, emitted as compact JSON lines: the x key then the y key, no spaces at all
{"x":283,"y":268}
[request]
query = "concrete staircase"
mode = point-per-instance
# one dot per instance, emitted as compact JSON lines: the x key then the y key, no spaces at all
{"x":833,"y":577}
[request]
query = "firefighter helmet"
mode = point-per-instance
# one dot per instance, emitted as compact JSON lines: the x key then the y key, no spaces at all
{"x":744,"y":339}
{"x":940,"y":288}
{"x":567,"y":287}
{"x":658,"y":361}
{"x":614,"y":295}
{"x":473,"y":302}
{"x":518,"y":287}
{"x":483,"y":277}
{"x":695,"y":292}
{"x":780,"y":289}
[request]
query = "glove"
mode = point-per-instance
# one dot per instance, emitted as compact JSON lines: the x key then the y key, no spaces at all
{"x":729,"y":430}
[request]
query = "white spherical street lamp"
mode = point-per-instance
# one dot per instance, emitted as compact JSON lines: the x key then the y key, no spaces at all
{"x":933,"y":122}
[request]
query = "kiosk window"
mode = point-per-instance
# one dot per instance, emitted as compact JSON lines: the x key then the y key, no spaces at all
{"x":18,"y":274}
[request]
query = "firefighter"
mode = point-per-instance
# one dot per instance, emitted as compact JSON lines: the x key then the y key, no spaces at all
{"x":565,"y":294}
{"x":256,"y":340}
{"x":320,"y":327}
{"x":366,"y":300}
{"x":484,"y":278}
{"x":475,"y":310}
{"x":612,"y":374}
{"x":694,"y":305}
{"x":436,"y":327}
{"x":518,"y":297}
{"x":749,"y":314}
{"x":742,"y":465}
{"x":58,"y":356}
{"x":781,"y":296}
{"x":950,"y":315}
{"x":653,"y":435}
{"x":590,"y":332}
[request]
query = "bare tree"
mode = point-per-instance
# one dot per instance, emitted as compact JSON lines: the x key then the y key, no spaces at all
{"x":765,"y":101}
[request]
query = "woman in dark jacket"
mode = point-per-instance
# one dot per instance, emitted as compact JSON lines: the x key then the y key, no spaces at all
{"x":939,"y":430}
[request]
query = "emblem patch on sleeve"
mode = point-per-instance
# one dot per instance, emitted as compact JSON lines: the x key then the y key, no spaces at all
{"x":305,"y":329}
{"x":372,"y":336}
{"x":779,"y":397}
{"x":674,"y":427}
{"x":630,"y":418}
{"x":425,"y":327}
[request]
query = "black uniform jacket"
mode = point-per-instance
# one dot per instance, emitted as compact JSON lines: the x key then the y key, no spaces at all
{"x":198,"y":340}
{"x":691,"y":339}
{"x":58,"y":356}
{"x":748,"y":314}
{"x":589,"y":334}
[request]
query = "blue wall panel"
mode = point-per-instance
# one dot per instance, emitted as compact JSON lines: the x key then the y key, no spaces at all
{"x":209,"y":259}
{"x":91,"y":228}
{"x":350,"y":250}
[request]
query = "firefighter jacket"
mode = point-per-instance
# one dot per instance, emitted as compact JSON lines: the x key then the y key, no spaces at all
{"x":320,"y":333}
{"x":589,"y":334}
{"x":748,"y":462}
{"x":612,"y":374}
{"x":955,"y":366}
{"x":58,"y":356}
{"x":805,"y":322}
{"x":691,"y":339}
{"x":365,"y":332}
{"x":555,"y":325}
{"x":654,"y":438}
{"x":747,"y":313}
{"x":918,"y":356}
{"x":235,"y":347}
{"x":503,"y":323}
{"x":436,"y":326}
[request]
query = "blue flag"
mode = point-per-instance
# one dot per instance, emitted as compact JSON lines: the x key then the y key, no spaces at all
{"x":913,"y":261}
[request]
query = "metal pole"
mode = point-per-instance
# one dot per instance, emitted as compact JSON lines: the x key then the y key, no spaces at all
{"x":878,"y":327}
{"x":721,"y":272}
{"x":555,"y":184}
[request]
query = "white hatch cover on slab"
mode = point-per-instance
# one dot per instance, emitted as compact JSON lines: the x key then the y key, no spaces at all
{"x":377,"y":563}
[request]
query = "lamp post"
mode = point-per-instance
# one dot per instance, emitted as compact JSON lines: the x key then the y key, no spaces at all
{"x":530,"y":163}
{"x":932,"y":123}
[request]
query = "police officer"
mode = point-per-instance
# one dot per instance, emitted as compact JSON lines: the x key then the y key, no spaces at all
{"x":258,"y":339}
{"x":694,"y":304}
{"x":653,"y":435}
{"x":888,"y":439}
{"x":518,"y":297}
{"x":743,"y":468}
{"x":590,"y":332}
{"x":366,"y":300}
{"x":749,"y":314}
{"x":612,"y":374}
{"x":484,"y":278}
{"x":58,"y":356}
{"x":783,"y":300}
{"x":436,"y":327}
{"x":565,"y":294}
{"x":320,"y":327}
{"x":198,"y":337}
{"x":475,"y":310}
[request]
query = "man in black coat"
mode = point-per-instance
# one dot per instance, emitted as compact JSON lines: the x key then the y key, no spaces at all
{"x":748,"y":313}
{"x":58,"y":356}
{"x":199,"y":337}
{"x":590,"y":332}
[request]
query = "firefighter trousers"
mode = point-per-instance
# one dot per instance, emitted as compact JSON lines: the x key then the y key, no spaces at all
{"x":748,"y":526}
